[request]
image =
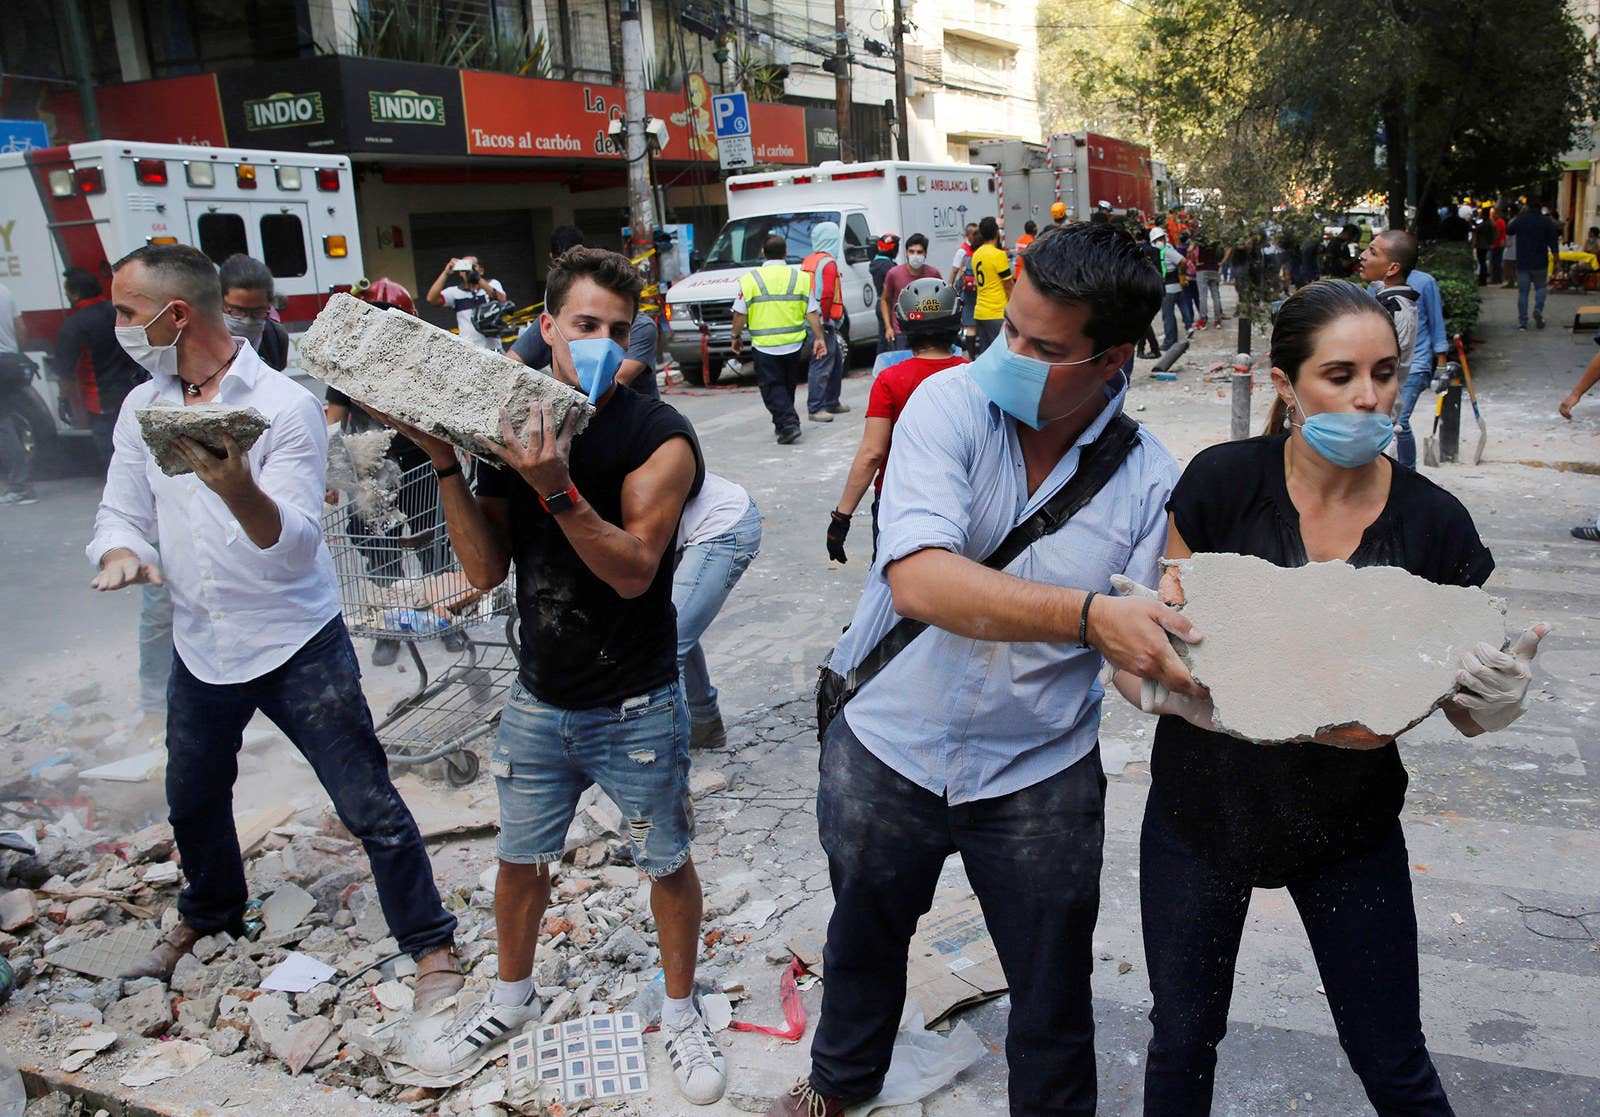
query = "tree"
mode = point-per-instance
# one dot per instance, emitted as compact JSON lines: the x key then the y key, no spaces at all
{"x":1318,"y":102}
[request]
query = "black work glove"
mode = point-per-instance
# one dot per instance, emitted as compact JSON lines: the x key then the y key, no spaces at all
{"x":838,"y":528}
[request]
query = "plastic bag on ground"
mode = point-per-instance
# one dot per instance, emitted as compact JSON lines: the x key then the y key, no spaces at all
{"x":922,"y":1062}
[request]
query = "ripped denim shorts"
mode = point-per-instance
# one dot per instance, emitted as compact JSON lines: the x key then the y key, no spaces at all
{"x":545,"y":757}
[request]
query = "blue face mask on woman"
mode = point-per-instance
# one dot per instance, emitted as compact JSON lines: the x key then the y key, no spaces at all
{"x":1015,"y":382}
{"x":1346,"y":438}
{"x":595,"y":360}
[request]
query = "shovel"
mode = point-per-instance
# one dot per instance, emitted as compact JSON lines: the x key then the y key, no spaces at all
{"x":1430,"y":443}
{"x":1483,"y":431}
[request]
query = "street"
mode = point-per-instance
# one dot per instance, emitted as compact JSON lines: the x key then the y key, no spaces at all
{"x":1503,"y":831}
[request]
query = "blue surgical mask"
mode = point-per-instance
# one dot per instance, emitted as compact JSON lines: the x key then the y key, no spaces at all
{"x":1346,"y":438}
{"x":1015,"y":382}
{"x":595,"y":361}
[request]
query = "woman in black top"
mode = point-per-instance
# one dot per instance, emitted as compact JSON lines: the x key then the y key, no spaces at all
{"x":1321,"y":818}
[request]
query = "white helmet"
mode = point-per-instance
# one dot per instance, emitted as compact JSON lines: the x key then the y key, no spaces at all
{"x":1157,"y":234}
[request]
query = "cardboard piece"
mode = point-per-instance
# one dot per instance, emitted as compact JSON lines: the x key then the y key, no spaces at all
{"x":443,"y":812}
{"x":130,"y":769}
{"x":953,"y":961}
{"x":254,"y":828}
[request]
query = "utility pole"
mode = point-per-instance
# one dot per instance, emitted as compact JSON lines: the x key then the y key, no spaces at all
{"x":79,"y":44}
{"x":841,"y":78}
{"x":641,"y":200}
{"x":903,"y":140}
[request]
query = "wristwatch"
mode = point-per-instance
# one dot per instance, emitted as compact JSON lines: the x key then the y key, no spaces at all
{"x":557,"y":503}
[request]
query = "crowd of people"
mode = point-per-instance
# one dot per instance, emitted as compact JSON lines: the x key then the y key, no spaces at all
{"x":1019,"y":523}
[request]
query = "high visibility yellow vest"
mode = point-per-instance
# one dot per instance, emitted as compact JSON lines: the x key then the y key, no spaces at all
{"x":775,"y":298}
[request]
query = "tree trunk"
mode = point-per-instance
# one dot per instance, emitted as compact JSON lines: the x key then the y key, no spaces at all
{"x":1394,"y":130}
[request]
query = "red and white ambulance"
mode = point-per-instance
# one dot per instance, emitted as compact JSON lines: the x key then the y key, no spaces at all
{"x":89,"y":204}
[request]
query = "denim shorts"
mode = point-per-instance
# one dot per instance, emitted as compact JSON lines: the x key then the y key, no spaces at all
{"x":546,"y":757}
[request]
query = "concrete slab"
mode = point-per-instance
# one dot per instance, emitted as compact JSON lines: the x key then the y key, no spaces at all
{"x":398,"y":364}
{"x":1289,"y":653}
{"x":206,"y":423}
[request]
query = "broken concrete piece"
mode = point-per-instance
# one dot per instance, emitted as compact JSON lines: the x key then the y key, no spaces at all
{"x":400,"y":365}
{"x":84,"y":1046}
{"x":109,"y":955}
{"x":702,"y":784}
{"x":286,"y":908}
{"x":146,"y":1013}
{"x":206,"y":423}
{"x":162,"y":872}
{"x":311,"y":1044}
{"x":164,"y":1060}
{"x":1289,"y":653}
{"x":18,"y":908}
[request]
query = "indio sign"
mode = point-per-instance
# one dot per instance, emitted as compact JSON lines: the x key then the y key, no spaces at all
{"x":283,"y":110}
{"x":405,"y":106}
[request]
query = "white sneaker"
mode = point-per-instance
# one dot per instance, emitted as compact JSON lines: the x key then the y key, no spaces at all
{"x":476,"y":1029}
{"x":697,"y":1062}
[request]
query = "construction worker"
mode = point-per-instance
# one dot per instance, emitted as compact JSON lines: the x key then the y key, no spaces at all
{"x":1030,"y":229}
{"x":1058,"y":214}
{"x":778,"y":302}
{"x":826,"y":373}
{"x":992,"y":279}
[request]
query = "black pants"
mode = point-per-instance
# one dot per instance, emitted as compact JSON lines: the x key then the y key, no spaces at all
{"x":1362,"y":925}
{"x":316,"y":699}
{"x":1033,"y":858}
{"x":777,"y":375}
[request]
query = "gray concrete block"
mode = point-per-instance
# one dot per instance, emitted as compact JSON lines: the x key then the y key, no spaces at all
{"x":1289,"y":653}
{"x":206,"y":423}
{"x":400,"y":365}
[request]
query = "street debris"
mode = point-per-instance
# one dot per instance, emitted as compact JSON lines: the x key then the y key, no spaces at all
{"x":953,"y":960}
{"x":205,"y":423}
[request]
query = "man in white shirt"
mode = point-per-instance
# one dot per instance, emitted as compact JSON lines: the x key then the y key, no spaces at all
{"x":257,"y":624}
{"x":463,"y":287}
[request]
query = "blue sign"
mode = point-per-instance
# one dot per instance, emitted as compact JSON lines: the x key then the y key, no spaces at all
{"x":28,"y":135}
{"x":730,"y":114}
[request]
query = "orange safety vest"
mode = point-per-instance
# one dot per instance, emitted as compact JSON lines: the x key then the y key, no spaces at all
{"x":1022,"y":246}
{"x":828,"y":304}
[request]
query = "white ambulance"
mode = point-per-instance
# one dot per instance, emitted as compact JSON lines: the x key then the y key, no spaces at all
{"x":87,"y":205}
{"x":866,"y":201}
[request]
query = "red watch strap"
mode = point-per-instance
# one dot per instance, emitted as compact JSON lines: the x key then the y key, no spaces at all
{"x":571,"y":494}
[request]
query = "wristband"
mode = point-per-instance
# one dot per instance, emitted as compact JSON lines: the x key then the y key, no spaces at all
{"x":448,"y":471}
{"x":1083,"y":621}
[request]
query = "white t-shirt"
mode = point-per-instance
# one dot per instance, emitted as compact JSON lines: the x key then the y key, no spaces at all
{"x":464,"y":302}
{"x":8,"y":321}
{"x":719,"y":505}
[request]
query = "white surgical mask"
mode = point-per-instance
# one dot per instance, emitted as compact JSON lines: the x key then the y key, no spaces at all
{"x":250,"y":329}
{"x":159,"y":360}
{"x":916,"y":259}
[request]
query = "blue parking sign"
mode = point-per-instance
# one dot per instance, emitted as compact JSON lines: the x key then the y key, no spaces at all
{"x":730,"y":115}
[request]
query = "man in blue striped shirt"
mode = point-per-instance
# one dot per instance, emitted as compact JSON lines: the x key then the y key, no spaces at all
{"x":980,"y":738}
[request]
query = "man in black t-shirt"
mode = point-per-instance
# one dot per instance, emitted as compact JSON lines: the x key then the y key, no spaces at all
{"x":88,"y":357}
{"x":589,"y":522}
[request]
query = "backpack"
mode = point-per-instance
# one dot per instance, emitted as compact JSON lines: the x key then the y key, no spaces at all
{"x":1391,"y":298}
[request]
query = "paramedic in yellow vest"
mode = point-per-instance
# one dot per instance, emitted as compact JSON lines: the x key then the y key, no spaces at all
{"x":827,"y":372}
{"x":779,"y":304}
{"x":991,"y":273}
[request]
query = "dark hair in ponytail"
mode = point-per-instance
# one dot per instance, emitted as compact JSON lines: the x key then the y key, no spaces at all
{"x":1301,"y":318}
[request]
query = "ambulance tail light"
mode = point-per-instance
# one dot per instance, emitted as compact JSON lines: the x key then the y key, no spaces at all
{"x":803,"y":180}
{"x":244,"y":176}
{"x":903,"y":184}
{"x":89,"y":180}
{"x":161,"y":240}
{"x":752,"y":185}
{"x":336,"y":247}
{"x":328,"y":178}
{"x":858,"y":174}
{"x":151,"y":172}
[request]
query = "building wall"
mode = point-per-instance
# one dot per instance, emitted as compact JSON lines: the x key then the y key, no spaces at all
{"x":975,"y":65}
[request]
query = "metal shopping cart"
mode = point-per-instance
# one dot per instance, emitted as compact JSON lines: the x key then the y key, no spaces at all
{"x":400,"y":580}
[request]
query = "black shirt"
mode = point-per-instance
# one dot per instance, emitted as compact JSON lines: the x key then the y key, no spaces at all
{"x":584,"y":645}
{"x":90,"y":331}
{"x":1270,"y":813}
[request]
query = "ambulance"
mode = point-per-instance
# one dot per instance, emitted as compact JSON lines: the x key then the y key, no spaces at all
{"x":89,"y":204}
{"x":866,"y":201}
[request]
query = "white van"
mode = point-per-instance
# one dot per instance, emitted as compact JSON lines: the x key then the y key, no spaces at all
{"x":89,"y":204}
{"x":866,"y":201}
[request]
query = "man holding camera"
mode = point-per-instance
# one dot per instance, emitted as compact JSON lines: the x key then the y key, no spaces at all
{"x":463,"y":287}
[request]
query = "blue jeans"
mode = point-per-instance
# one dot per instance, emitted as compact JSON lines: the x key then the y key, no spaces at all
{"x":316,"y":699}
{"x":545,"y":757}
{"x":1405,"y":443}
{"x":1033,"y":858}
{"x":1540,"y":279}
{"x":1208,"y":284}
{"x":1362,"y":925}
{"x":1171,"y":302}
{"x":706,"y":574}
{"x":825,"y":374}
{"x":155,"y":648}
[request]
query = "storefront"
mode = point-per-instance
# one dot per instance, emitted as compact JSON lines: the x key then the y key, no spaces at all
{"x":453,"y":162}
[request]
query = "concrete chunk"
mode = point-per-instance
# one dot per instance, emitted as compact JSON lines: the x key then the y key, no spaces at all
{"x":206,"y":423}
{"x":398,"y":364}
{"x":1289,"y":653}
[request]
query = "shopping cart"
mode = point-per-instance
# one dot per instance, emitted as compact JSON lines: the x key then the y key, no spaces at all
{"x":400,"y":580}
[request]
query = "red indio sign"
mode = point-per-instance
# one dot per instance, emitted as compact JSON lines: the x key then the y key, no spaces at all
{"x":536,"y":118}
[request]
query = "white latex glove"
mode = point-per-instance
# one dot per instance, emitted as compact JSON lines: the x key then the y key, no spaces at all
{"x":1153,"y":697}
{"x":1495,"y":683}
